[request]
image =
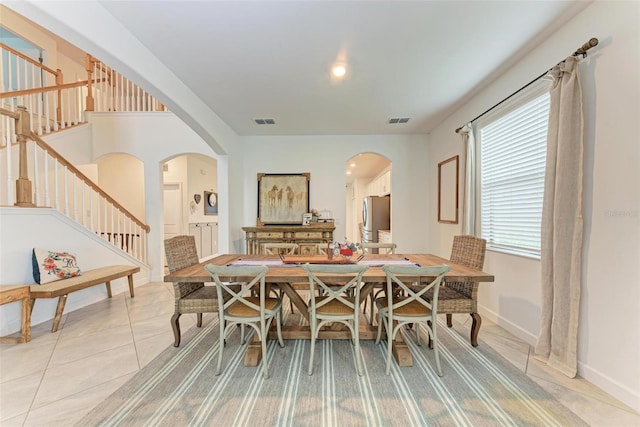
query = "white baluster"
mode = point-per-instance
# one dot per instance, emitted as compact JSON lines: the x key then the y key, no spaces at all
{"x":36,"y":186}
{"x":66,"y":191}
{"x":83,"y":212}
{"x":47,"y":116}
{"x":91,"y":196}
{"x":75,"y":196}
{"x":56,"y":193}
{"x":47,"y":197}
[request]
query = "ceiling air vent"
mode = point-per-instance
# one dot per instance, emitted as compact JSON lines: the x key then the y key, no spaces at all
{"x":265,"y":121}
{"x":398,"y":120}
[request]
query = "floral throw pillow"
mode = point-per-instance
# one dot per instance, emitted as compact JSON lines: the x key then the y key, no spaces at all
{"x":49,"y":266}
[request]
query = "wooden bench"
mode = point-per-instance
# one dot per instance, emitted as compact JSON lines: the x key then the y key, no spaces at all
{"x":17,"y":293}
{"x":62,"y":288}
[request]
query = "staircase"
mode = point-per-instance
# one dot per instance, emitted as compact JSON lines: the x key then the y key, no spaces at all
{"x":36,"y":102}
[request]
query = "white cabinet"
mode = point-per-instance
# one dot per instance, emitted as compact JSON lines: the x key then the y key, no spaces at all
{"x":384,"y":236}
{"x":206,"y":236}
{"x":380,"y":185}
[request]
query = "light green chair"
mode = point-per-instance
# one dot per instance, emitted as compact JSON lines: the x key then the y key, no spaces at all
{"x":404,"y":305}
{"x":256,"y":311}
{"x":332,"y":302}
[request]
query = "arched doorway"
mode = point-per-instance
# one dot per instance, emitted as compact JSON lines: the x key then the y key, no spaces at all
{"x":190,"y":190}
{"x":367,"y":174}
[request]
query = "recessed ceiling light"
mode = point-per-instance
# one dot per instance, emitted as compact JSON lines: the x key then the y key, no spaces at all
{"x":353,"y":165}
{"x":348,"y":172}
{"x":339,"y":70}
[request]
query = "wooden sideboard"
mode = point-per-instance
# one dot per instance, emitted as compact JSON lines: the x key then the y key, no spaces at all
{"x":306,"y":236}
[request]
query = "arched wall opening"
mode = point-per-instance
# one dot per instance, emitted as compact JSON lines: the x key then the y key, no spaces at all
{"x":367,"y":174}
{"x":190,"y":201}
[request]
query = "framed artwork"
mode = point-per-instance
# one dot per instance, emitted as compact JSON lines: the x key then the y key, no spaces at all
{"x":448,"y":190}
{"x":282,"y":198}
{"x":210,"y":203}
{"x":306,"y":218}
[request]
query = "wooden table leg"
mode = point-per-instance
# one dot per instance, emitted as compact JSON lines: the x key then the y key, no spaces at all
{"x":401,"y":351}
{"x":254,"y":352}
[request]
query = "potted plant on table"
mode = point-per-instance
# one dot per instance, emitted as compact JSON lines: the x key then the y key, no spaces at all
{"x":347,"y":248}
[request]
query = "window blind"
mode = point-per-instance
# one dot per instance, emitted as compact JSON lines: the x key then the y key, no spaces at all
{"x":512,"y":168}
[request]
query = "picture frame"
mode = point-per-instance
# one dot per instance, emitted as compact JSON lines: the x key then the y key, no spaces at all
{"x":282,"y":198}
{"x":210,"y":203}
{"x":448,"y":176}
{"x":306,"y":218}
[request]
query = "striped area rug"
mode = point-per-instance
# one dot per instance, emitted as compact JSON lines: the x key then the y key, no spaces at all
{"x":179,"y":388}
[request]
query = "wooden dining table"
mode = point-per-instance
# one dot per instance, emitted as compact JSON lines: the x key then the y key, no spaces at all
{"x":291,"y":278}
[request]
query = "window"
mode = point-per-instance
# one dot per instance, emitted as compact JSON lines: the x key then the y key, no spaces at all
{"x":512,"y":167}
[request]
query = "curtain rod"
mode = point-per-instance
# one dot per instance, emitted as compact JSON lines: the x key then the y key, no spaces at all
{"x":582,"y":50}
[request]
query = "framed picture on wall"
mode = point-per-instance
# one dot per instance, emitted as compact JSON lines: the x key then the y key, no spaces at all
{"x":448,"y":190}
{"x":282,"y":198}
{"x":210,"y":203}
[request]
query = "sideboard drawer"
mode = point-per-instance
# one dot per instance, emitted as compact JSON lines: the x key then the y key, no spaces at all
{"x":308,"y":235}
{"x":269,"y":235}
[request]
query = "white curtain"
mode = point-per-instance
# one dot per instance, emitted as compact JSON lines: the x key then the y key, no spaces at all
{"x":562,"y":229}
{"x":469,"y":205}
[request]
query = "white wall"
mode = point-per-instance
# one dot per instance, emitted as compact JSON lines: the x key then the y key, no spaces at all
{"x":325,"y":156}
{"x":202,"y":176}
{"x":153,"y":138}
{"x":122,"y":177}
{"x":22,"y":229}
{"x":609,"y":335}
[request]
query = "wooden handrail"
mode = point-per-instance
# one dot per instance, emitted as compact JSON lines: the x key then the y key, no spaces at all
{"x":44,"y":89}
{"x":12,"y":114}
{"x":26,"y":58}
{"x":42,"y":144}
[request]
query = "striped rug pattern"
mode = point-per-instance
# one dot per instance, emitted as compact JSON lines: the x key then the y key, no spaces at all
{"x":179,"y":388}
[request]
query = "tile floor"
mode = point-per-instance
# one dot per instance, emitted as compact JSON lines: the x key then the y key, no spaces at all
{"x":55,"y":379}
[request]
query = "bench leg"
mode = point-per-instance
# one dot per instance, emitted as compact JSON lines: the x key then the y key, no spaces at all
{"x":26,"y":321}
{"x":59,"y":309}
{"x":108,"y":285}
{"x":130,"y":278}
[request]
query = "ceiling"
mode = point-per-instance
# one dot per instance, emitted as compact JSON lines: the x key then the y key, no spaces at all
{"x":265,"y":59}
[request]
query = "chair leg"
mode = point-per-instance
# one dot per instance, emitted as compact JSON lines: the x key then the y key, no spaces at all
{"x":199,"y":323}
{"x":176,"y":329}
{"x":263,"y":340}
{"x":312,"y":323}
{"x":449,"y":320}
{"x":434,"y":332}
{"x":475,"y":328}
{"x":221,"y":341}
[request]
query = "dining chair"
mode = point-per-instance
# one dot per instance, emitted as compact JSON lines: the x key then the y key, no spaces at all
{"x":181,"y":252}
{"x":385,"y":249}
{"x":331,"y":303}
{"x":404,"y":305}
{"x":279,"y":248}
{"x":322,"y":248}
{"x":462,"y":297}
{"x":257,"y":312}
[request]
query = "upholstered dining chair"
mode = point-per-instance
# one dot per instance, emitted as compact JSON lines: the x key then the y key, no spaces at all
{"x":462,"y":297}
{"x":385,"y":249}
{"x":407,"y":306}
{"x":331,"y":303}
{"x":257,"y":312}
{"x":197,"y":298}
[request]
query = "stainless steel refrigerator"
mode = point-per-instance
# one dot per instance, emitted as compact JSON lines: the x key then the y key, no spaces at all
{"x":376,"y":215}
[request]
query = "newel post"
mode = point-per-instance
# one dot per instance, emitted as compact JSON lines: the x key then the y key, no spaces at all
{"x":59,"y":82}
{"x":88,"y":64}
{"x":24,"y":193}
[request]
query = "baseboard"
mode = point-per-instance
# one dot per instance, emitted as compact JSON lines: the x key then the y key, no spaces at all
{"x":619,"y":391}
{"x":511,"y":327}
{"x":609,"y":385}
